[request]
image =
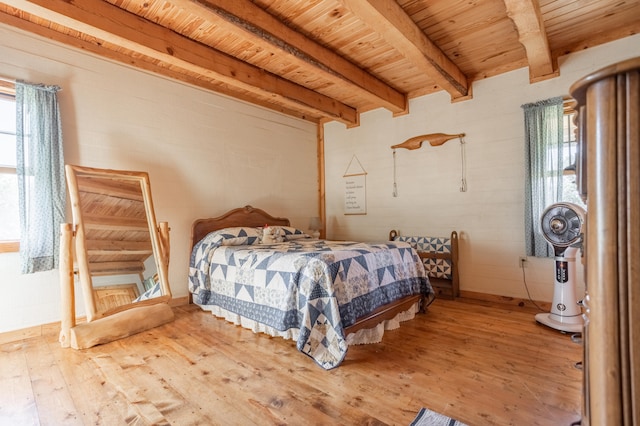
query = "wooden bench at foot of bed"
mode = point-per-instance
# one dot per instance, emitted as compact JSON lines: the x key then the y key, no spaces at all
{"x":440,"y":258}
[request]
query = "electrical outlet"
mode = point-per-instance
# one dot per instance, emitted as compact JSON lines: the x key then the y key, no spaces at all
{"x":522,"y":261}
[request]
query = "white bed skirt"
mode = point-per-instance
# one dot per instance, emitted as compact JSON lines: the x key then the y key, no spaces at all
{"x":361,"y":337}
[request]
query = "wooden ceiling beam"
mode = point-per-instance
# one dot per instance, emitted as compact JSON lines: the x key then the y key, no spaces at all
{"x":527,"y":18}
{"x":105,"y":21}
{"x":127,"y":190}
{"x":116,"y":268}
{"x":8,"y":15}
{"x":105,"y":247}
{"x":114,"y":223}
{"x":261,"y":27}
{"x":389,"y":19}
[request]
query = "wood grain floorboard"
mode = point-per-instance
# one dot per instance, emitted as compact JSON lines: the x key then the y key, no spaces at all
{"x":481,"y":363}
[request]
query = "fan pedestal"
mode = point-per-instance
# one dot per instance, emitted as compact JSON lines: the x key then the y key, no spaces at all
{"x":549,"y":320}
{"x":565,"y":314}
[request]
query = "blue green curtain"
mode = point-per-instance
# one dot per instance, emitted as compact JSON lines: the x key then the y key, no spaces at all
{"x":543,"y":168}
{"x":40,"y":170}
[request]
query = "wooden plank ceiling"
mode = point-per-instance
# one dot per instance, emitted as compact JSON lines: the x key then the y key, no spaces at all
{"x":324,"y":60}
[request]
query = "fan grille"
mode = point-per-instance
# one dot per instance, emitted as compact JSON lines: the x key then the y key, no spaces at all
{"x":562,"y":224}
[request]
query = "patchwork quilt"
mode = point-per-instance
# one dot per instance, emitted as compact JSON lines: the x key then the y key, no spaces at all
{"x":436,"y":268}
{"x":318,"y":287}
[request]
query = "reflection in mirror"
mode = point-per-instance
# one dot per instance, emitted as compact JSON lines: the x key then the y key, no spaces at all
{"x":117,"y":239}
{"x":121,"y":252}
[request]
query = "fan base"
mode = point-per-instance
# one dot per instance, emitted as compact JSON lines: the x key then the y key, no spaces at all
{"x":547,"y":320}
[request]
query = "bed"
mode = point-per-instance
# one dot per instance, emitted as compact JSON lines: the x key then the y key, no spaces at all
{"x":325,"y":295}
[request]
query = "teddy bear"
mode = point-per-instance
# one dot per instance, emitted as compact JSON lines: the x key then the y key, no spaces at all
{"x":271,"y":235}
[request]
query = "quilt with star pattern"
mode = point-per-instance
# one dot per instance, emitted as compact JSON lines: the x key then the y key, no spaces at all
{"x":318,"y":287}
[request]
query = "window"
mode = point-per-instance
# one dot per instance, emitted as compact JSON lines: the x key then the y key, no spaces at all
{"x":9,"y":217}
{"x":570,"y":146}
{"x":550,"y":156}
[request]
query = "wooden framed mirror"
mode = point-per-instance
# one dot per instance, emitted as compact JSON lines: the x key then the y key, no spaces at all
{"x":120,"y":255}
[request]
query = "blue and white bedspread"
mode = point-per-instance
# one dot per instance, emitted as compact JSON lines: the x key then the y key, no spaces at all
{"x":318,"y":287}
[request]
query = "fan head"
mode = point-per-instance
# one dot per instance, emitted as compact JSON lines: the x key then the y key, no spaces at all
{"x":562,"y":224}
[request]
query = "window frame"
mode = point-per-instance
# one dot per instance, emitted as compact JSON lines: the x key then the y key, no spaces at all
{"x":8,"y":90}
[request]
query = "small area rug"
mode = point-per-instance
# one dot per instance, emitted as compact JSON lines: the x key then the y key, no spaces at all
{"x":427,"y":417}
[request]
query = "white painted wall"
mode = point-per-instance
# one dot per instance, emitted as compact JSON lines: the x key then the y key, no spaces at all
{"x":489,"y":216}
{"x":205,"y":154}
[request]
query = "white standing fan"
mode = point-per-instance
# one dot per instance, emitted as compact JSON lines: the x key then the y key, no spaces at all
{"x":562,"y":226}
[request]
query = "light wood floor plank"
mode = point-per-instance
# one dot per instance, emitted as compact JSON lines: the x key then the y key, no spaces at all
{"x":481,"y":363}
{"x":97,"y":404}
{"x":249,"y":383}
{"x":49,"y":387}
{"x":17,"y":401}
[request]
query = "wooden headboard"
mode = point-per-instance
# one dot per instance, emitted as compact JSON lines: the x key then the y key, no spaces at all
{"x":242,"y":216}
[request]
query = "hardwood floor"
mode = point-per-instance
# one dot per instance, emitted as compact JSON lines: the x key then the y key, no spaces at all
{"x":481,"y":363}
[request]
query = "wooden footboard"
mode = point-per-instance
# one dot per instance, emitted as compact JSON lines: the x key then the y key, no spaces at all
{"x":383,"y":313}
